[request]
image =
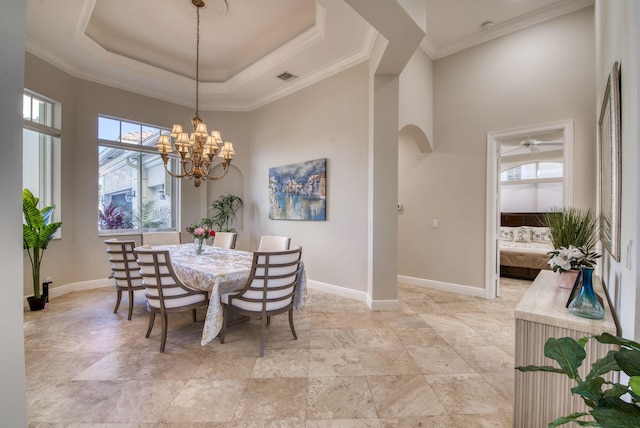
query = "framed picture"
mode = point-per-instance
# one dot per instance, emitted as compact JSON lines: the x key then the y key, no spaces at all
{"x":609,"y":163}
{"x":298,"y":191}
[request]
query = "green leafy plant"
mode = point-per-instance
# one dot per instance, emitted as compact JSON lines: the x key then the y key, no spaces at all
{"x":572,"y":226}
{"x":604,"y":398}
{"x":37,"y":232}
{"x":225,"y":209}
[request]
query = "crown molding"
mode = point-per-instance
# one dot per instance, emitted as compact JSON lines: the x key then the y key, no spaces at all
{"x":507,"y":27}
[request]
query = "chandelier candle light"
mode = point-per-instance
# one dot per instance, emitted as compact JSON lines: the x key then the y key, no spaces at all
{"x":197,"y":150}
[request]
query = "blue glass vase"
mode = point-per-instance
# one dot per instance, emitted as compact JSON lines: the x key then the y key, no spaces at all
{"x":586,"y":303}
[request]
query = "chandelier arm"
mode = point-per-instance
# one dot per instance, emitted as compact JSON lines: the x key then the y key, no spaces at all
{"x":225,"y":169}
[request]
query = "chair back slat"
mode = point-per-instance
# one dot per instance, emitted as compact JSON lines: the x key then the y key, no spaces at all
{"x":271,"y":283}
{"x":162,"y":287}
{"x":124,"y":267}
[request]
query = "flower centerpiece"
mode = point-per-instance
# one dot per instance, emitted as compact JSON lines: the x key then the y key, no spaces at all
{"x":573,"y":234}
{"x":201,"y":231}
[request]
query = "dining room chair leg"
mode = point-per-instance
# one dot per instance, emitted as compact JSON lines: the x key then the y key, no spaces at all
{"x":268,"y":320}
{"x":130,"y":290}
{"x":223,"y":329}
{"x":118,"y":298}
{"x":152,"y":318}
{"x":165,"y":321}
{"x":194,"y":315}
{"x":293,"y":330}
{"x":263,"y":333}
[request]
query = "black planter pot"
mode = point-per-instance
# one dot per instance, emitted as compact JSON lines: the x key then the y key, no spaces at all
{"x":36,"y":303}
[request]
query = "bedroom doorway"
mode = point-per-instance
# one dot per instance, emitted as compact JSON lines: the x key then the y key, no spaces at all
{"x":522,"y":166}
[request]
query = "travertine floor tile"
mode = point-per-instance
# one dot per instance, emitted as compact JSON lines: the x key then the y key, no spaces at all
{"x":401,"y":396}
{"x":443,"y":360}
{"x":339,"y":398}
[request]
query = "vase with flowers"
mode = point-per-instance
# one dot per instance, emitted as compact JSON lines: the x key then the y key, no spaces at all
{"x":200,"y":232}
{"x":573,"y":235}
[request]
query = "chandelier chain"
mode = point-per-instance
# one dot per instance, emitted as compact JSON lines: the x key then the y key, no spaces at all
{"x":197,"y":60}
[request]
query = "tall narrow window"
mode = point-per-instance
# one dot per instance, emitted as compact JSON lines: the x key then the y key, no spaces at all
{"x":135,"y":193}
{"x":41,"y":149}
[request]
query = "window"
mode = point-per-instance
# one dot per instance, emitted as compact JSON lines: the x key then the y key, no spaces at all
{"x":41,"y":150}
{"x":532,"y":187}
{"x":135,"y":192}
{"x":534,"y":171}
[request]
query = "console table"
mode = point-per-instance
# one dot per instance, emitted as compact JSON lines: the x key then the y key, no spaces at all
{"x":541,"y":397}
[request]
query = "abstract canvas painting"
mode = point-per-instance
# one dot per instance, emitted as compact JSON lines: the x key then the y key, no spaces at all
{"x":298,"y":191}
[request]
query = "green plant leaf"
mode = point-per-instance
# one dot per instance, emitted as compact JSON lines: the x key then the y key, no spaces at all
{"x":567,"y":352}
{"x":629,"y":361}
{"x":616,"y":413}
{"x":616,"y":340}
{"x":548,"y":369}
{"x":590,"y":389}
{"x":616,"y":390}
{"x":583,"y":341}
{"x":634,"y":384}
{"x":572,"y":418}
{"x":604,"y":365}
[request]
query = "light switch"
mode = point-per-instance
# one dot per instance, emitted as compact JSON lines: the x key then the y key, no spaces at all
{"x":435,"y":223}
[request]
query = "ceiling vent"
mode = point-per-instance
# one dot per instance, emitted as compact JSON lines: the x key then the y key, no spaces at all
{"x":286,"y":76}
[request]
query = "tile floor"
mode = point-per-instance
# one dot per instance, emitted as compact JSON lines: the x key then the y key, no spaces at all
{"x":443,"y":360}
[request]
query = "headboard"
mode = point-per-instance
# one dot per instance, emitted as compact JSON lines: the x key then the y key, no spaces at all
{"x":521,"y":219}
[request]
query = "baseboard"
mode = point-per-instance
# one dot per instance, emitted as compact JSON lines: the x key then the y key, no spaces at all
{"x":443,"y":286}
{"x":360,"y":296}
{"x":75,"y":286}
{"x":383,"y":305}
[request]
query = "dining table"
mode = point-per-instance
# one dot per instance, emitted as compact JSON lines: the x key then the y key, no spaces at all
{"x":219,"y":271}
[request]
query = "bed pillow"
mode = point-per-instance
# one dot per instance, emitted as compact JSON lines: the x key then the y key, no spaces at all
{"x":522,"y":234}
{"x":540,"y":234}
{"x":506,"y":233}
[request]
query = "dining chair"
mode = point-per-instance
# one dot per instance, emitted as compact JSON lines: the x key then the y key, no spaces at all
{"x":269,"y":291}
{"x":160,"y":238}
{"x":274,"y":243}
{"x":124,"y":270}
{"x":226,"y":240}
{"x":165,"y":292}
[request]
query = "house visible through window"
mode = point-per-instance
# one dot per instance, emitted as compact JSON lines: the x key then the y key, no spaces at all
{"x":135,"y":193}
{"x":41,"y":134}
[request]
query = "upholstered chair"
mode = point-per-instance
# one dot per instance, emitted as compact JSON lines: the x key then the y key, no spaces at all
{"x":226,"y":240}
{"x":165,"y":292}
{"x":274,"y":243}
{"x":125,"y":270}
{"x":269,"y":291}
{"x":160,"y":238}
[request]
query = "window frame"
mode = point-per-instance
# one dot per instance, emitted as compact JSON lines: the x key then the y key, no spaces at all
{"x":50,"y":178}
{"x":142,"y":150}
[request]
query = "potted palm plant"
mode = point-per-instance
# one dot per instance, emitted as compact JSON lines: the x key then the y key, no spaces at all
{"x":225,"y":209}
{"x":37,"y":232}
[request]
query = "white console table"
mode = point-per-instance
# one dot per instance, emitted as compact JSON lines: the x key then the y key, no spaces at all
{"x":541,"y":397}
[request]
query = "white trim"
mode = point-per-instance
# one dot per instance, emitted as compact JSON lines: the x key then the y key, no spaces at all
{"x":492,"y":212}
{"x":382,"y":305}
{"x":442,"y":286}
{"x":360,"y":296}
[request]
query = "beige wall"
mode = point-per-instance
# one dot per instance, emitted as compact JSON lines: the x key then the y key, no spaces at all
{"x":541,"y":74}
{"x":80,"y":254}
{"x":326,"y":120}
{"x":617,"y":35}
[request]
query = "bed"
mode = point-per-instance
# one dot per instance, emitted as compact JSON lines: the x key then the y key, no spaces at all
{"x":524,"y":244}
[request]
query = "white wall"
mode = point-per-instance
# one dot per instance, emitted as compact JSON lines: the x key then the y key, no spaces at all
{"x":617,"y":39}
{"x":13,"y":402}
{"x":326,"y":120}
{"x":537,"y":75}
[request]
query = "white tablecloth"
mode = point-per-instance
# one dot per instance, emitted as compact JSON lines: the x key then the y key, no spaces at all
{"x":219,"y":271}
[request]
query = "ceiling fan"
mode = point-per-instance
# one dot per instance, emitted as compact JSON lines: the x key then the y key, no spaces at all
{"x":532,"y":145}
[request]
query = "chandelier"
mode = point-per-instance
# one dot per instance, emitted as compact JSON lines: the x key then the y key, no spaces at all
{"x":198,"y":150}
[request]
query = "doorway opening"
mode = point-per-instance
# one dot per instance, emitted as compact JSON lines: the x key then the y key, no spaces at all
{"x":522,"y":166}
